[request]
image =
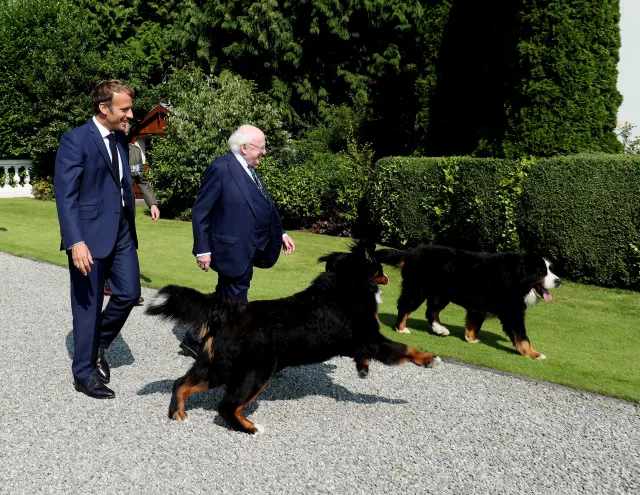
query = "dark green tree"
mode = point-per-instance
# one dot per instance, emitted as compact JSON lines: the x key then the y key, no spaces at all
{"x":527,"y":77}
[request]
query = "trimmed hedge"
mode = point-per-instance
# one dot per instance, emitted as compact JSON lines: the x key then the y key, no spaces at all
{"x":583,"y":210}
{"x":315,"y":187}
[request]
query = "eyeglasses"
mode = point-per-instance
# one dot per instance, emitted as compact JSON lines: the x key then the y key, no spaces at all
{"x":261,"y":149}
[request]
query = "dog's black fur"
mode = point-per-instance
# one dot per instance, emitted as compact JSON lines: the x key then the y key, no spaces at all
{"x":502,"y":284}
{"x":244,"y":344}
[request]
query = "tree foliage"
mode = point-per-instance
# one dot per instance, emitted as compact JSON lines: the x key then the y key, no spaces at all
{"x":205,"y":111}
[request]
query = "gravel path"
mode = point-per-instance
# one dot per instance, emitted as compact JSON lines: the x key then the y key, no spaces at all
{"x":453,"y":429}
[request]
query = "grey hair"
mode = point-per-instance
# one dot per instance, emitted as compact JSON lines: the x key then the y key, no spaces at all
{"x":238,"y":138}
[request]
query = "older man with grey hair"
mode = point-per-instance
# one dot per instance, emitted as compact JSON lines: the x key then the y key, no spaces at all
{"x":236,"y":226}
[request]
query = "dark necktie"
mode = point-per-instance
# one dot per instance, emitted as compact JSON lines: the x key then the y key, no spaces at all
{"x":258,"y":182}
{"x":114,"y":156}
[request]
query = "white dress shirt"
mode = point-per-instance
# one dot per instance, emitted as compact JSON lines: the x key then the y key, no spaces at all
{"x":104,"y":132}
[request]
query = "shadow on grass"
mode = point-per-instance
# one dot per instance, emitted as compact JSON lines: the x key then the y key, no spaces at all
{"x":491,"y":339}
{"x":145,"y":279}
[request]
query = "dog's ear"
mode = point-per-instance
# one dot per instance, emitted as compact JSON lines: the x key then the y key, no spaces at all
{"x":368,"y":252}
{"x":364,"y":248}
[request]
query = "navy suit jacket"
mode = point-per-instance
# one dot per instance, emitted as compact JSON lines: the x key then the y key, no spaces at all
{"x":225,"y":223}
{"x":88,"y":196}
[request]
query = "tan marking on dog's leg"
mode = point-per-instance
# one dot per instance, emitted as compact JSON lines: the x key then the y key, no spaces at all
{"x":402,"y":326}
{"x":524,"y":348}
{"x":182,"y":394}
{"x":204,"y":330}
{"x":248,"y":426}
{"x":377,"y":319}
{"x":471,"y":330}
{"x":418,"y":358}
{"x":207,"y":347}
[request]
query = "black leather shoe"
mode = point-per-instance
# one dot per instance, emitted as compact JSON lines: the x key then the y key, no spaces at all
{"x":93,"y":387}
{"x":102,"y":367}
{"x":190,"y":347}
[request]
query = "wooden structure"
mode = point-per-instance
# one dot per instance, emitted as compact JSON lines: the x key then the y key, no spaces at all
{"x":152,"y":124}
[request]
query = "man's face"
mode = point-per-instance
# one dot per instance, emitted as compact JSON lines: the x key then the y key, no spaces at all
{"x":253,"y":151}
{"x":117,"y":117}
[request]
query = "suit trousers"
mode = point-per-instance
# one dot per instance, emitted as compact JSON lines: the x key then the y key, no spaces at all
{"x":94,"y":328}
{"x":235,"y":288}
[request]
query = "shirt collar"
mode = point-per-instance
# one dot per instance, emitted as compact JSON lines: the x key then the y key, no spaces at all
{"x":241,"y":159}
{"x":104,"y":132}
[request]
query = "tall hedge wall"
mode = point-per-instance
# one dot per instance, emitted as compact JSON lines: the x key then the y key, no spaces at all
{"x":583,"y":210}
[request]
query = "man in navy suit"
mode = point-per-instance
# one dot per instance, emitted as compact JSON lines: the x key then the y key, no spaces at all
{"x":236,"y":226}
{"x":96,"y":213}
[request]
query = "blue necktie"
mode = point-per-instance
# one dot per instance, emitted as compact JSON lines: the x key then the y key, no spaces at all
{"x":258,"y":182}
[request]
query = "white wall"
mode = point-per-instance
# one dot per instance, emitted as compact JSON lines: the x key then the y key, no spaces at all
{"x":629,"y":65}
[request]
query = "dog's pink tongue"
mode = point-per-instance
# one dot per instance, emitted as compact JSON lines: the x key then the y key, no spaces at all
{"x":546,"y":295}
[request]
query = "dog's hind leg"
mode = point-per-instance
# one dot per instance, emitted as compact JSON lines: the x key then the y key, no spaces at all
{"x":472,"y":326}
{"x":241,"y":391}
{"x":394,"y":353}
{"x":196,"y":380}
{"x":434,"y":306}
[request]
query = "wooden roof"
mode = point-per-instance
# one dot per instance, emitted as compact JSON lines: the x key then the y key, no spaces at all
{"x":152,"y":124}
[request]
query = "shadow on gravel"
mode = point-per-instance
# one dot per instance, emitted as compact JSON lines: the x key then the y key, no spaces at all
{"x":118,"y":354}
{"x":500,"y":342}
{"x":289,"y":384}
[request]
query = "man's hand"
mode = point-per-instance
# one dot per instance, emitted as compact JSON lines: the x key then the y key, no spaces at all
{"x":81,"y":257}
{"x":155,"y":213}
{"x":204,"y":261}
{"x":287,"y":244}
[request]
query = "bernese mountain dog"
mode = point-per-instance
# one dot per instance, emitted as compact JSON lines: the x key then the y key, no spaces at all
{"x":244,"y":344}
{"x":500,"y":284}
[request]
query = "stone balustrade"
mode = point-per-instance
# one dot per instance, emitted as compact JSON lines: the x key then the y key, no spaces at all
{"x":15,"y":181}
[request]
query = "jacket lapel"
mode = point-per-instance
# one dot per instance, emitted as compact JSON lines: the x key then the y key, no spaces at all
{"x":238,"y":174}
{"x":97,"y":139}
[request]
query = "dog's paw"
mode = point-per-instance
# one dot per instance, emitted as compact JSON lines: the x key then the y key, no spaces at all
{"x":363,"y":373}
{"x":259,"y":429}
{"x":541,"y":356}
{"x":180,"y":416}
{"x":432,"y":364}
{"x":403,"y":330}
{"x":439,"y":329}
{"x":476,"y":341}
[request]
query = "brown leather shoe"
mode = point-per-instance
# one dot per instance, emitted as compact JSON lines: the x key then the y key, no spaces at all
{"x":107,"y":291}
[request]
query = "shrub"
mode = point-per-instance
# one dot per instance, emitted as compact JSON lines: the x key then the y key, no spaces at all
{"x":584,"y":211}
{"x":205,"y":112}
{"x":43,"y":189}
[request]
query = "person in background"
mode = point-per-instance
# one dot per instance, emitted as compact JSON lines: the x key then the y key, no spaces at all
{"x":137,"y":161}
{"x":94,"y":199}
{"x":236,"y":226}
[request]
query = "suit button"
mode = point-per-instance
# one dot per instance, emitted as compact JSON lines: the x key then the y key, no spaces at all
{"x":117,"y":213}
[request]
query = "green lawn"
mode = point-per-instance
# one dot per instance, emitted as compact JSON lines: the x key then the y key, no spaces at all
{"x":589,"y":334}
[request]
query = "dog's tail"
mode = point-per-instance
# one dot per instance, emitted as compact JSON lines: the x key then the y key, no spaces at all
{"x":201,"y":314}
{"x":390,"y":257}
